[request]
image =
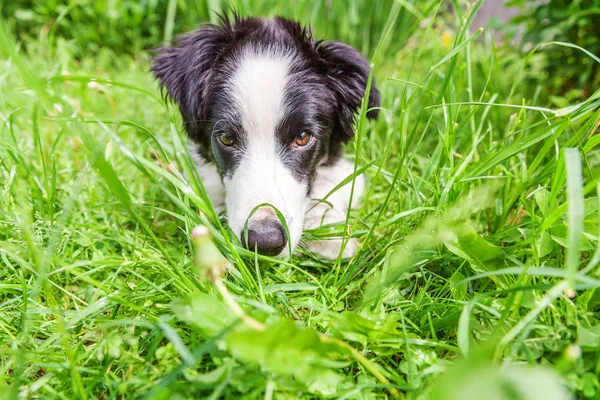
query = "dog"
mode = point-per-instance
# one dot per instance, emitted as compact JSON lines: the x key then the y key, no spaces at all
{"x":267,"y":109}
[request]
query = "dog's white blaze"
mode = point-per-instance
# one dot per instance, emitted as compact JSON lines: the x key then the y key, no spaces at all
{"x":258,"y":87}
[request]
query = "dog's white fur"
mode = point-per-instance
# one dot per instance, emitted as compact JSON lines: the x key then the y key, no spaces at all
{"x":335,"y":207}
{"x":258,"y":87}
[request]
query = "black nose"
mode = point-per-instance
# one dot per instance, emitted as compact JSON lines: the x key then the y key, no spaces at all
{"x":267,"y":237}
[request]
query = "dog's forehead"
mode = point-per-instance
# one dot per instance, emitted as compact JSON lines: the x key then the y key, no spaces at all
{"x":258,"y":90}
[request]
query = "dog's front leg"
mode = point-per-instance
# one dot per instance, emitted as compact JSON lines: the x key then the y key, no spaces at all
{"x":335,"y":207}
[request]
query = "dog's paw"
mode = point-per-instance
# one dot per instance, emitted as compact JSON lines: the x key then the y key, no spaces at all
{"x":330,"y":249}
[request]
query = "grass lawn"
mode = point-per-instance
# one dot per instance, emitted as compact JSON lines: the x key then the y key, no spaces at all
{"x":477,"y":273}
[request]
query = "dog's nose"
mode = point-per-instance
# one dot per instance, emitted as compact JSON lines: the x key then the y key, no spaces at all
{"x":267,"y":237}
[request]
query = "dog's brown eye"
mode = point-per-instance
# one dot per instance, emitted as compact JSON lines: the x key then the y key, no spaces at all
{"x":226,"y":140}
{"x":303,"y":138}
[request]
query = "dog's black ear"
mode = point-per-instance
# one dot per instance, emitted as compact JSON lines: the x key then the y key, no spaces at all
{"x":184,"y":71}
{"x":348,"y":73}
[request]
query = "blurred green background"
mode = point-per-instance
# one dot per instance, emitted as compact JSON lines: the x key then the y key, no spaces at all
{"x":461,"y":111}
{"x":120,"y":27}
{"x":127,"y":27}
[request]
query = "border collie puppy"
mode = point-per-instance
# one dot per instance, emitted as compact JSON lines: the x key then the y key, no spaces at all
{"x":267,"y":109}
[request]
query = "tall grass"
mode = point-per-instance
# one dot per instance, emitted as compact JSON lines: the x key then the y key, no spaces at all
{"x":477,"y":271}
{"x":93,"y":27}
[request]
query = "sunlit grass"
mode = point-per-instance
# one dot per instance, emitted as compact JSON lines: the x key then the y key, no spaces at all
{"x":479,"y":234}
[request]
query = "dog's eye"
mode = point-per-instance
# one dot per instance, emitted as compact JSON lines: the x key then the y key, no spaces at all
{"x":303,"y":139}
{"x":226,"y":140}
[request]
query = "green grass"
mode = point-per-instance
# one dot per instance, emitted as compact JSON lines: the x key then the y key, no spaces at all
{"x":477,"y":271}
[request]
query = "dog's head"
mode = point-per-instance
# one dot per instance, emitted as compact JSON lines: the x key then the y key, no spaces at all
{"x":269,"y":105}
